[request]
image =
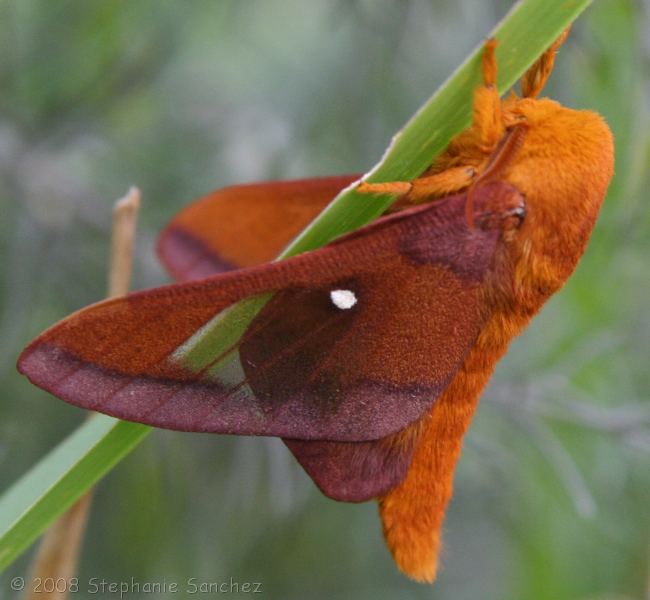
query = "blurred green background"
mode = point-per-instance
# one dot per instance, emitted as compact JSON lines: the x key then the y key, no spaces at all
{"x":552,"y":494}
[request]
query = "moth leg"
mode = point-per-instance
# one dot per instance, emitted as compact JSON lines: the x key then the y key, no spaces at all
{"x":443,"y":183}
{"x":424,"y":188}
{"x":487,"y":119}
{"x":536,"y":77}
{"x":398,"y":188}
{"x":487,"y":129}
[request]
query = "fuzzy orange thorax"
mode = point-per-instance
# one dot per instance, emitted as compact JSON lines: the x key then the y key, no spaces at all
{"x":562,"y":168}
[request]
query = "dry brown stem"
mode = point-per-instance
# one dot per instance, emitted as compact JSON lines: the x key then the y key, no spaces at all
{"x":58,"y":554}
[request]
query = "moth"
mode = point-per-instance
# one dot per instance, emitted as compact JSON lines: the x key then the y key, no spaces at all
{"x":367,"y":356}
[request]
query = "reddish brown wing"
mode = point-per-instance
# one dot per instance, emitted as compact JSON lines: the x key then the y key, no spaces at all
{"x":357,"y":471}
{"x":355,"y":375}
{"x":243,"y":225}
{"x":231,"y":222}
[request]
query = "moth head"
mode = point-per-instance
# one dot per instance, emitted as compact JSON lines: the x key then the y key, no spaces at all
{"x":566,"y":160}
{"x":563,"y":168}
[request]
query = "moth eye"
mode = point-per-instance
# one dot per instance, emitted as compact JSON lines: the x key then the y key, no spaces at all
{"x":343,"y":299}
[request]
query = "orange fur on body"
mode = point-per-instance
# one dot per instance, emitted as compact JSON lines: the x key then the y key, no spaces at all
{"x":563,"y":168}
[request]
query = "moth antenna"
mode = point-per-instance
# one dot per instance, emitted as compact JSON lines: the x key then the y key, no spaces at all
{"x":536,"y":77}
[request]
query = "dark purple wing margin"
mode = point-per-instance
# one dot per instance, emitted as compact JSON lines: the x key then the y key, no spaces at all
{"x":389,"y":265}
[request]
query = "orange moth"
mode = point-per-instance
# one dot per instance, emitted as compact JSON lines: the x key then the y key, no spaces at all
{"x":367,"y":356}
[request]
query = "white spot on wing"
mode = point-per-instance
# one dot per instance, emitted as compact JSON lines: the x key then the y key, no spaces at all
{"x":343,"y":299}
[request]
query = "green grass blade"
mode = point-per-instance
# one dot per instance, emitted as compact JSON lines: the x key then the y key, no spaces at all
{"x":62,"y":477}
{"x":74,"y":466}
{"x":528,"y":30}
